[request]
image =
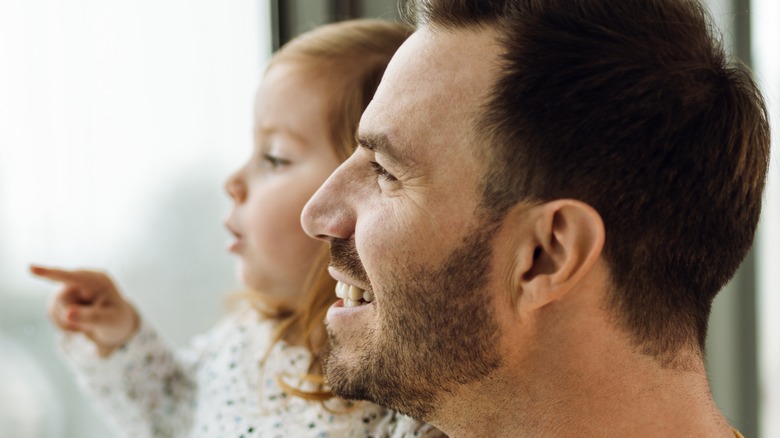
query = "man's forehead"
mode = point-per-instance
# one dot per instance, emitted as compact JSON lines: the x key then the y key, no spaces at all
{"x":438,"y":79}
{"x":436,"y":63}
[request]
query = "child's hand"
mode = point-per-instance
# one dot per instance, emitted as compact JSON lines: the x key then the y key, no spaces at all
{"x":88,"y":302}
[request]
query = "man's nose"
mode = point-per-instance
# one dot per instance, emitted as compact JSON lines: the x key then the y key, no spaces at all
{"x":329,"y":214}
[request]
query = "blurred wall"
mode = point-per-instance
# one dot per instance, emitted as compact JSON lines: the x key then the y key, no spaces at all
{"x":119,"y":122}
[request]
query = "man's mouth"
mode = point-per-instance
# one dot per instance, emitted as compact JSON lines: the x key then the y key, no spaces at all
{"x":353,"y":296}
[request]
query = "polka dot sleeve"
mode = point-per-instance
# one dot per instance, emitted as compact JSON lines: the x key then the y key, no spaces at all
{"x":225,"y":385}
{"x":142,"y":389}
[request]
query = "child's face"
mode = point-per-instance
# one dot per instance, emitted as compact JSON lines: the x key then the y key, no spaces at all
{"x":292,"y":156}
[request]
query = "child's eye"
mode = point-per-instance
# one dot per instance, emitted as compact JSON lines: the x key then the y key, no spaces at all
{"x":275,"y":162}
{"x":381,"y":172}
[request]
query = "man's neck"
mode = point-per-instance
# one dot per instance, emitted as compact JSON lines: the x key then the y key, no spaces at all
{"x":590,"y":393}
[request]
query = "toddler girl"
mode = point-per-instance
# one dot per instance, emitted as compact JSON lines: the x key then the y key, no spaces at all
{"x":258,"y":372}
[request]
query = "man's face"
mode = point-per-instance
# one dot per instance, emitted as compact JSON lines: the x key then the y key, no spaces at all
{"x":403,"y":221}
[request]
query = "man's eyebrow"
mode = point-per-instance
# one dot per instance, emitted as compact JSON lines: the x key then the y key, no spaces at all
{"x":380,"y":144}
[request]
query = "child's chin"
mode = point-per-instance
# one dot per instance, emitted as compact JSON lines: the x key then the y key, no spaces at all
{"x":245,"y":275}
{"x":250,"y":278}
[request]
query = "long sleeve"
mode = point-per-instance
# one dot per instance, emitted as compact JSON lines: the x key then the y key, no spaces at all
{"x":225,"y":384}
{"x":144,"y":388}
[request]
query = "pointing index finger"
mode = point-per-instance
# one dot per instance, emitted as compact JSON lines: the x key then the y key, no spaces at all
{"x":54,"y":274}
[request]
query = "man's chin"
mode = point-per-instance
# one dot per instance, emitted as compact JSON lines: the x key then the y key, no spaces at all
{"x":345,"y":377}
{"x":357,"y":377}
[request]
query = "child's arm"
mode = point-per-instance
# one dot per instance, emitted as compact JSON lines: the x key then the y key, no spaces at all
{"x":143,"y":389}
{"x":90,"y":303}
{"x":131,"y":375}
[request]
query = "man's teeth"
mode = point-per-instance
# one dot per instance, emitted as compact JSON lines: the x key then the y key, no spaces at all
{"x":353,"y":296}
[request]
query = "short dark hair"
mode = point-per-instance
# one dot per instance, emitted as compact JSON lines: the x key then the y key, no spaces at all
{"x":632,"y":107}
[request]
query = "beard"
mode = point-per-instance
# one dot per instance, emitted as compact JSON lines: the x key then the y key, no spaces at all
{"x":435,"y":330}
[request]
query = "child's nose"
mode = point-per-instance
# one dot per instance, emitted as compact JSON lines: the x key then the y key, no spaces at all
{"x":235,"y":187}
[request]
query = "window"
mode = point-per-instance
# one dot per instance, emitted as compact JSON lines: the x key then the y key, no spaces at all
{"x":118,"y":124}
{"x":766,"y":34}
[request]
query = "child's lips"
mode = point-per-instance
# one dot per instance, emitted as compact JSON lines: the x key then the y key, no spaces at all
{"x":234,"y":245}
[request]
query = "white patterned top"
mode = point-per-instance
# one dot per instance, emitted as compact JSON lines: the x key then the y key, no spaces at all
{"x":219,"y":387}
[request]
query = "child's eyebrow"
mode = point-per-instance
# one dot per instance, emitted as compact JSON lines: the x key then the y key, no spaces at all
{"x":381,"y":144}
{"x":268,"y":130}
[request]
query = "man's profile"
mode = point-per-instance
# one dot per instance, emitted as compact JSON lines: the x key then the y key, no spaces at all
{"x":546,"y":199}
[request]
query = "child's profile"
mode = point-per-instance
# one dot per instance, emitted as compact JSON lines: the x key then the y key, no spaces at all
{"x":257,"y":373}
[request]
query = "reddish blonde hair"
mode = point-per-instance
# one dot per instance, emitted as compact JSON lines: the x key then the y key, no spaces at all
{"x":353,"y":55}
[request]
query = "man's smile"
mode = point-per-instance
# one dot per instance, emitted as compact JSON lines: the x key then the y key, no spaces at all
{"x":352,"y":295}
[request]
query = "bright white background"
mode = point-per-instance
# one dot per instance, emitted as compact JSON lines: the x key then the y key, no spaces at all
{"x":766,"y":40}
{"x":119,"y":120}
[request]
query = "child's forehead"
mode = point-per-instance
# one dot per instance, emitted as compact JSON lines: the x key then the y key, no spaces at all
{"x":294,"y":103}
{"x":289,"y":79}
{"x":305,"y":67}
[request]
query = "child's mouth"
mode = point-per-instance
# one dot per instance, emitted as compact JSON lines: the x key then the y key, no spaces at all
{"x":235,"y":244}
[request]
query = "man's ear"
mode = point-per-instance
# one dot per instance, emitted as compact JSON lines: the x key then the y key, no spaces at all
{"x":561,"y":243}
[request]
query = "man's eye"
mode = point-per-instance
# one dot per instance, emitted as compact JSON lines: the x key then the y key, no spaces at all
{"x":381,"y":172}
{"x":275,"y":162}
